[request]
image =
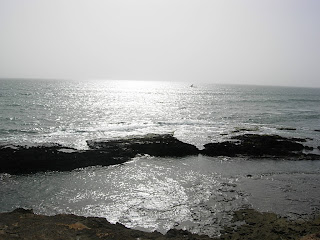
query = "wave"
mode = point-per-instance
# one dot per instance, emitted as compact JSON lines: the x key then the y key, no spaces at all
{"x":13,"y":105}
{"x":12,"y":131}
{"x":187,"y":122}
{"x":25,"y":94}
{"x":304,"y":100}
{"x":280,"y":101}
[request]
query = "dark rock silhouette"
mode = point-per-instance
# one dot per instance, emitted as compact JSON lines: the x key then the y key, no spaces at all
{"x":259,"y":145}
{"x":24,"y":224}
{"x":286,"y":128}
{"x":54,"y":157}
{"x":246,"y":224}
{"x":152,"y":144}
{"x":26,"y":159}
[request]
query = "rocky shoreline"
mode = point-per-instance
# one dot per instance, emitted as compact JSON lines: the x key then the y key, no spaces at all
{"x":247,"y":224}
{"x":17,"y":159}
{"x":255,"y":145}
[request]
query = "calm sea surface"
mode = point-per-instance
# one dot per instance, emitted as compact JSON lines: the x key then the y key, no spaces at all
{"x":195,"y":193}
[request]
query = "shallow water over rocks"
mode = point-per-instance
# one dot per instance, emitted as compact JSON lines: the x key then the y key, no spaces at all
{"x":196,"y":193}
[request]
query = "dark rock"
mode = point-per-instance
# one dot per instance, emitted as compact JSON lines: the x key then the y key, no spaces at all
{"x":25,"y":159}
{"x":257,"y":225}
{"x":257,"y":146}
{"x":152,"y":144}
{"x":286,"y":128}
{"x":221,"y":149}
{"x":265,"y":138}
{"x":23,"y":211}
{"x":54,"y":157}
{"x":223,"y":134}
{"x":174,"y":233}
{"x":308,"y":148}
{"x":245,"y":129}
{"x":22,"y":225}
{"x":309,"y":156}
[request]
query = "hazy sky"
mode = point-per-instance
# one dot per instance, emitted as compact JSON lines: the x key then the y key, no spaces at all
{"x":273,"y":42}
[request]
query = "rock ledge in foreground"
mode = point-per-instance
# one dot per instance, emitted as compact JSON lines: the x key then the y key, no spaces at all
{"x":23,"y":224}
{"x":268,"y":226}
{"x":247,"y":224}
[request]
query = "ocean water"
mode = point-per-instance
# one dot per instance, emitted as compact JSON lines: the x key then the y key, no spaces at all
{"x":197,"y":193}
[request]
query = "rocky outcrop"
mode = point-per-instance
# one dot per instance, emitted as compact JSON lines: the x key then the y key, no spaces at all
{"x":250,"y":224}
{"x":54,"y":157}
{"x":259,"y":145}
{"x":31,"y":159}
{"x":247,"y":224}
{"x":25,"y":225}
{"x":286,"y":128}
{"x":164,"y":145}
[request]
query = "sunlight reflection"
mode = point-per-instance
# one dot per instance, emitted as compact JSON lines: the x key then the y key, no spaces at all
{"x":136,"y":86}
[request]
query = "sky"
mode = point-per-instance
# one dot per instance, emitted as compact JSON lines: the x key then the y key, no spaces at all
{"x":265,"y":42}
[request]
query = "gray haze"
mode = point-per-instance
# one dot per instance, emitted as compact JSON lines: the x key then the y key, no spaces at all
{"x":268,"y":42}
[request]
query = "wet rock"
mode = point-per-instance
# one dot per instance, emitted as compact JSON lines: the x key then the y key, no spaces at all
{"x":315,"y":236}
{"x":286,"y":128}
{"x":54,"y":157}
{"x":257,"y":225}
{"x":246,"y":129}
{"x":257,"y":146}
{"x":25,"y":225}
{"x":309,"y":156}
{"x":248,"y":224}
{"x":152,"y":144}
{"x":23,"y":211}
{"x":173,"y":233}
{"x":31,"y":159}
{"x":226,"y":148}
{"x":308,"y":148}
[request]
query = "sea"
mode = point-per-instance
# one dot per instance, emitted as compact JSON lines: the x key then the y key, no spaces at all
{"x":196,"y":193}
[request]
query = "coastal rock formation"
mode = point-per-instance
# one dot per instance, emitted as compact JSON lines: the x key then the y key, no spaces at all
{"x":54,"y":157}
{"x":251,"y":224}
{"x":31,"y":159}
{"x":152,"y":144}
{"x":286,"y":128}
{"x":24,"y":224}
{"x":247,"y":224}
{"x":258,"y":146}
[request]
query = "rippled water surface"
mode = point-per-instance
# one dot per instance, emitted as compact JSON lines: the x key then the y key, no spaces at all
{"x":196,"y":193}
{"x":70,"y":112}
{"x":149,"y":193}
